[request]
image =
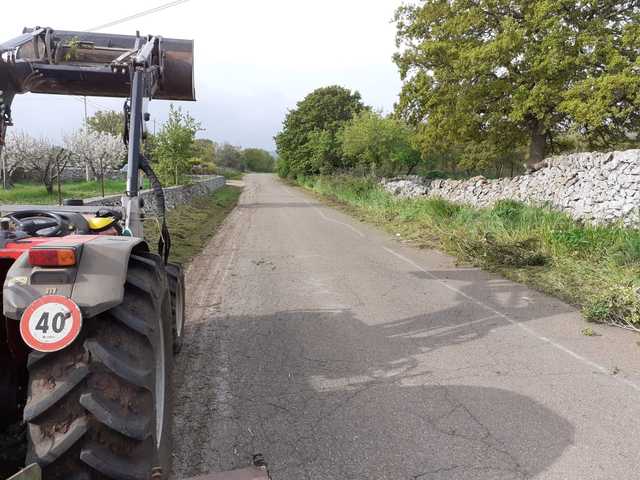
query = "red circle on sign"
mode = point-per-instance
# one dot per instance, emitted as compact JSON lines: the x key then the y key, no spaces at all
{"x":69,"y":336}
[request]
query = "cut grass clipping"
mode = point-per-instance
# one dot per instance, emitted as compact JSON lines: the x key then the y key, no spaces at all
{"x":192,"y":225}
{"x":594,"y":267}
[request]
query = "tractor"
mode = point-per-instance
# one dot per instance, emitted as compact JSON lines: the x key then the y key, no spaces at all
{"x":92,"y":314}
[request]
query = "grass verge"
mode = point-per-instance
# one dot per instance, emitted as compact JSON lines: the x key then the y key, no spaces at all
{"x":596,"y":268}
{"x":30,"y":193}
{"x":193,"y":224}
{"x":231,"y":174}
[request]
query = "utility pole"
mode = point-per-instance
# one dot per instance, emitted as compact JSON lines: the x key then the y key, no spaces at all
{"x":86,"y":129}
{"x":3,"y":133}
{"x":3,"y":136}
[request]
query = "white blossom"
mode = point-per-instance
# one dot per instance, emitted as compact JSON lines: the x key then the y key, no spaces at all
{"x":98,"y":151}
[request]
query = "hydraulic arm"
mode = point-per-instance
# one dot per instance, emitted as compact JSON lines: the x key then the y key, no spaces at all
{"x":43,"y":60}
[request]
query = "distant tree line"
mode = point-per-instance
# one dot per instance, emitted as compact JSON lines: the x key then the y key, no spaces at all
{"x":488,"y":87}
{"x":331,"y":131}
{"x":176,"y":152}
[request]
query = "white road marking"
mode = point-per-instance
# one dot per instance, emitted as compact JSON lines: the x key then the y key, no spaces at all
{"x":350,"y":227}
{"x":526,"y":328}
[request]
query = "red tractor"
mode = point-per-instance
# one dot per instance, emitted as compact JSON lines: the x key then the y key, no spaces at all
{"x":91,"y":315}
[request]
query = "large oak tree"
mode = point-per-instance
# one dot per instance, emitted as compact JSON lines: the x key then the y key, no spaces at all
{"x":489,"y":76}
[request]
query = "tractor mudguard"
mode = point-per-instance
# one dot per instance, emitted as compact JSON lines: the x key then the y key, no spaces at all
{"x":95,"y":283}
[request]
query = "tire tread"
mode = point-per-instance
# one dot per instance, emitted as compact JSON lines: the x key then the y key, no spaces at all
{"x":95,"y":419}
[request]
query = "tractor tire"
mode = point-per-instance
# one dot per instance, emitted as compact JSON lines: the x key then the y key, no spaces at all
{"x":101,"y":408}
{"x":175,"y":276}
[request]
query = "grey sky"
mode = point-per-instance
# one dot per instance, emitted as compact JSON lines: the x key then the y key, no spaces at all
{"x":254,"y":59}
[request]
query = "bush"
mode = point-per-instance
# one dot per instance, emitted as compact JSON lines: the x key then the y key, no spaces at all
{"x":508,"y":211}
{"x":617,"y":305}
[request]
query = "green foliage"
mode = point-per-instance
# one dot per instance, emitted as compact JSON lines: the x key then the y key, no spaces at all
{"x":175,"y":146}
{"x":203,"y":162}
{"x":308,"y":141}
{"x":628,"y":251}
{"x":435,"y":175}
{"x":205,"y":150}
{"x":490,"y":76}
{"x":198,"y":166}
{"x":283,"y":168}
{"x":615,"y":304}
{"x":596,"y":267}
{"x":382,"y":145}
{"x":439,"y":209}
{"x":72,"y":52}
{"x":508,"y":211}
{"x":230,"y":156}
{"x":107,"y":121}
{"x":258,"y":160}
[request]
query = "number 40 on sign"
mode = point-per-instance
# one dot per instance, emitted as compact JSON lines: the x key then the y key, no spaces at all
{"x":50,"y":323}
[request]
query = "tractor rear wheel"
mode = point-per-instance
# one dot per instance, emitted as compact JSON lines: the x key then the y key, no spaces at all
{"x":101,"y":409}
{"x":175,"y":276}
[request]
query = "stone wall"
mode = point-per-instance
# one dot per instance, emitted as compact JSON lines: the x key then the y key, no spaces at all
{"x":173,"y":195}
{"x":595,"y":187}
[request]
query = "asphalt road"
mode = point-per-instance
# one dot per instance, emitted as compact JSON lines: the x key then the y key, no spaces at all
{"x":340,"y":353}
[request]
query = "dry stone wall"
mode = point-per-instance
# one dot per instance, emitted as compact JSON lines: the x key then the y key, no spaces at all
{"x":173,"y":195}
{"x":595,"y":187}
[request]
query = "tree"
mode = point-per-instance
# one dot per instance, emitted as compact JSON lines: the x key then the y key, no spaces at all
{"x":38,"y":156}
{"x":258,"y":160}
{"x":97,"y":151}
{"x":382,"y":145}
{"x":14,"y":154}
{"x":488,"y":76}
{"x":205,"y":149}
{"x":230,"y":156}
{"x":204,"y":158}
{"x":107,"y":121}
{"x":308,"y":141}
{"x":175,"y":146}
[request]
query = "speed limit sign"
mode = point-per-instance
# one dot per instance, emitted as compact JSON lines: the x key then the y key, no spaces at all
{"x":50,"y":323}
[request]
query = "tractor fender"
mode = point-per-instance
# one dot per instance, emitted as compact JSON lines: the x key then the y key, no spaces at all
{"x":95,"y":284}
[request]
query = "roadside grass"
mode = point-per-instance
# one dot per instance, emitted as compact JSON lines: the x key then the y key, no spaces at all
{"x":30,"y":193}
{"x":192,"y":225}
{"x":231,"y":174}
{"x":594,"y":267}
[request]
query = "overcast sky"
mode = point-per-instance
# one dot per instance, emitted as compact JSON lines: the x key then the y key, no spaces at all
{"x":254,"y":59}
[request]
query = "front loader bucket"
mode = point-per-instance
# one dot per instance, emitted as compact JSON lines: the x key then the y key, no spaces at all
{"x":80,"y":63}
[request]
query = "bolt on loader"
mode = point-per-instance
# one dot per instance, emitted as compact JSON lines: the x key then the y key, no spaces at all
{"x":91,"y":315}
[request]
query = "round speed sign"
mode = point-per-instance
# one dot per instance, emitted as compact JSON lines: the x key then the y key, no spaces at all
{"x":50,"y":323}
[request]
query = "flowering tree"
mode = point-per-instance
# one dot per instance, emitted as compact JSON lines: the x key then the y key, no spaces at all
{"x":13,"y":155}
{"x":97,"y":151}
{"x":39,"y":156}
